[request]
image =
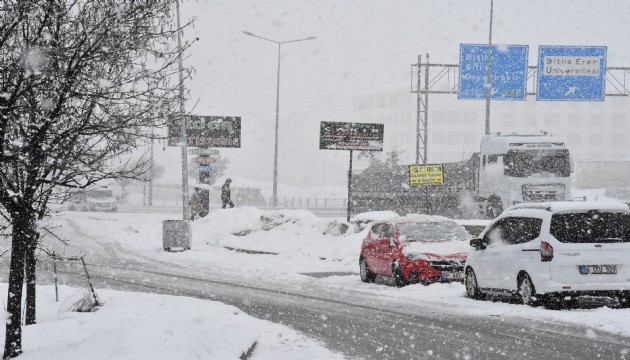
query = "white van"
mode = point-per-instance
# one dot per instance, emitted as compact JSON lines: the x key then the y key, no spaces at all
{"x":550,"y":253}
{"x":93,"y":200}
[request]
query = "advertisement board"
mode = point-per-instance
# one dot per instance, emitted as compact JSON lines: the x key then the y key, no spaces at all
{"x":350,"y":136}
{"x":206,"y":131}
{"x":432,"y":174}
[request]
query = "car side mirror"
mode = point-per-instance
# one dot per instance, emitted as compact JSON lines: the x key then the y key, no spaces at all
{"x":478,"y":244}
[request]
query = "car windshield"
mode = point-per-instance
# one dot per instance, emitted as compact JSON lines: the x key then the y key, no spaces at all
{"x":431,"y":231}
{"x":591,"y":227}
{"x":100,"y":194}
{"x":519,"y":163}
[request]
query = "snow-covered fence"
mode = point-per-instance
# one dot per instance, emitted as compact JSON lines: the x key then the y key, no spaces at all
{"x":82,"y":300}
{"x":309,"y":203}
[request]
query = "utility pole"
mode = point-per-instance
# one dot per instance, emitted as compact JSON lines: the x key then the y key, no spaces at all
{"x":418,"y":116}
{"x":426,"y":110}
{"x":184,"y":140}
{"x":152,"y":167}
{"x":422,"y":112}
{"x":488,"y":72}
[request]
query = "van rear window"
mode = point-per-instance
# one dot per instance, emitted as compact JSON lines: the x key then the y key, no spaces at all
{"x":591,"y":227}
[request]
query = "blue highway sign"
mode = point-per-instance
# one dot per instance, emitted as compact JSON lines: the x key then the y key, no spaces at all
{"x":205,"y":168}
{"x":571,"y":73}
{"x":508,"y":76}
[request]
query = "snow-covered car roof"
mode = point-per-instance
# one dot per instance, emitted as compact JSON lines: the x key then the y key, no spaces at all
{"x":420,"y":218}
{"x":563,"y":206}
{"x":374,"y":216}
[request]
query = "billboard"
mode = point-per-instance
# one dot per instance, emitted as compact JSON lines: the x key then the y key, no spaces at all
{"x":206,"y":131}
{"x":571,"y":73}
{"x":432,"y":174}
{"x":351,"y":136}
{"x":508,"y":75}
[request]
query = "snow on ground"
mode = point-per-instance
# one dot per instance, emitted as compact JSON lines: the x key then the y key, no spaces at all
{"x":284,"y":246}
{"x":158,"y":327}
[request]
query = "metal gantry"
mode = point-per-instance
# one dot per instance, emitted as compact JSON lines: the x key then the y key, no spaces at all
{"x":444,"y":79}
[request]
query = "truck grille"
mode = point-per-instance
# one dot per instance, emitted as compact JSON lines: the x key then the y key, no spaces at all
{"x":546,"y":192}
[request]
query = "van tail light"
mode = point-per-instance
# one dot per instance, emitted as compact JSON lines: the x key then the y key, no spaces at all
{"x":546,"y":252}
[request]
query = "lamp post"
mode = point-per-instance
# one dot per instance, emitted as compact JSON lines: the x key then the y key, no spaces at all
{"x":274,"y":198}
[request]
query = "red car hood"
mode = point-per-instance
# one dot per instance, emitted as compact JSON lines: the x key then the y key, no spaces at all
{"x":437,"y":250}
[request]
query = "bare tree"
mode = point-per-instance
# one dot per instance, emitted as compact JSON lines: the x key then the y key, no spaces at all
{"x":81,"y":83}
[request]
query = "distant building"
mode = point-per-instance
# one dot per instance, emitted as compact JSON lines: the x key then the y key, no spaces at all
{"x":599,"y":174}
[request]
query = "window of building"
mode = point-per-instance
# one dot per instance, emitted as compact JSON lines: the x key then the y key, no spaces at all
{"x":618,"y":121}
{"x":439,"y":138}
{"x":574,"y":139}
{"x":596,"y":120}
{"x":618,"y":139}
{"x":454,"y":118}
{"x":454,"y":138}
{"x":596,"y":139}
{"x":574,"y":120}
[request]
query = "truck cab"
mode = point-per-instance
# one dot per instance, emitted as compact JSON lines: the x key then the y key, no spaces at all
{"x":522,"y":168}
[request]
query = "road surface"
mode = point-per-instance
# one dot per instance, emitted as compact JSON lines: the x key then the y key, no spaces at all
{"x":361,"y":326}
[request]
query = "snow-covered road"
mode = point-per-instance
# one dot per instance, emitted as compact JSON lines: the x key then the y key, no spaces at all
{"x":360,"y":320}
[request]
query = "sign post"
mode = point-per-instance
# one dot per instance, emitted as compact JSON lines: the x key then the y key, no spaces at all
{"x":571,"y":73}
{"x":350,"y":136}
{"x":202,"y":132}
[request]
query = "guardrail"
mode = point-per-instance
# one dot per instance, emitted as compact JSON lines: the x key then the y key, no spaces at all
{"x":307,"y":203}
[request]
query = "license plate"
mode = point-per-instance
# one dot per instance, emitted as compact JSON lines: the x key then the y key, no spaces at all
{"x":598,"y":269}
{"x":458,"y":276}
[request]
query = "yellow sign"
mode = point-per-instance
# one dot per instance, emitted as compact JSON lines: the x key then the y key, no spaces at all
{"x":432,"y":174}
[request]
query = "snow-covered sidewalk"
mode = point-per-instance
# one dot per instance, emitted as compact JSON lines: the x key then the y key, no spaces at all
{"x":137,"y":326}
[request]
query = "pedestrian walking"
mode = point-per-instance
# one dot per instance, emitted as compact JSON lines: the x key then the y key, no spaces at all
{"x":199,"y":204}
{"x":225,"y":194}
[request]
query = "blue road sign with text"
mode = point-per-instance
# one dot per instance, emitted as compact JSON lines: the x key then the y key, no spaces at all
{"x":571,"y":73}
{"x":205,"y":168}
{"x":508,"y":75}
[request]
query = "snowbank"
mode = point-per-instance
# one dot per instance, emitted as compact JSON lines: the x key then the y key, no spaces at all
{"x":157,"y":327}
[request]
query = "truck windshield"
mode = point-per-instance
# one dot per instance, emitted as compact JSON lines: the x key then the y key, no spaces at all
{"x":101,"y":194}
{"x":525,"y":163}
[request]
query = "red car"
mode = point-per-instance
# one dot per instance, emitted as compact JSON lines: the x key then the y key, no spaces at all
{"x":415,"y":249}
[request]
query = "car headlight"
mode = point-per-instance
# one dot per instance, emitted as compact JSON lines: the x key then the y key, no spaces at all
{"x":417,"y":256}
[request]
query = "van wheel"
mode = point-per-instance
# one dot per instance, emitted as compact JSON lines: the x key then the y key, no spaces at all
{"x":527,"y":291}
{"x":367,"y":275}
{"x":399,"y":277}
{"x":472,"y":289}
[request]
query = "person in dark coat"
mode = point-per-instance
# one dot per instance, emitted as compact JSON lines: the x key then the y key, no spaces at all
{"x":199,"y":204}
{"x":225,"y":194}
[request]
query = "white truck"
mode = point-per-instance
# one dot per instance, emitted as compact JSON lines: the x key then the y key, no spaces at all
{"x":513,"y":169}
{"x":507,"y":170}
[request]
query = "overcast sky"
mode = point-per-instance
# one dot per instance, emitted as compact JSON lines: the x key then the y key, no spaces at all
{"x":362,"y":46}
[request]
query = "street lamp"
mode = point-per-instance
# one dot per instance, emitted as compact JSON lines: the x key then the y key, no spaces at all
{"x":274,"y":198}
